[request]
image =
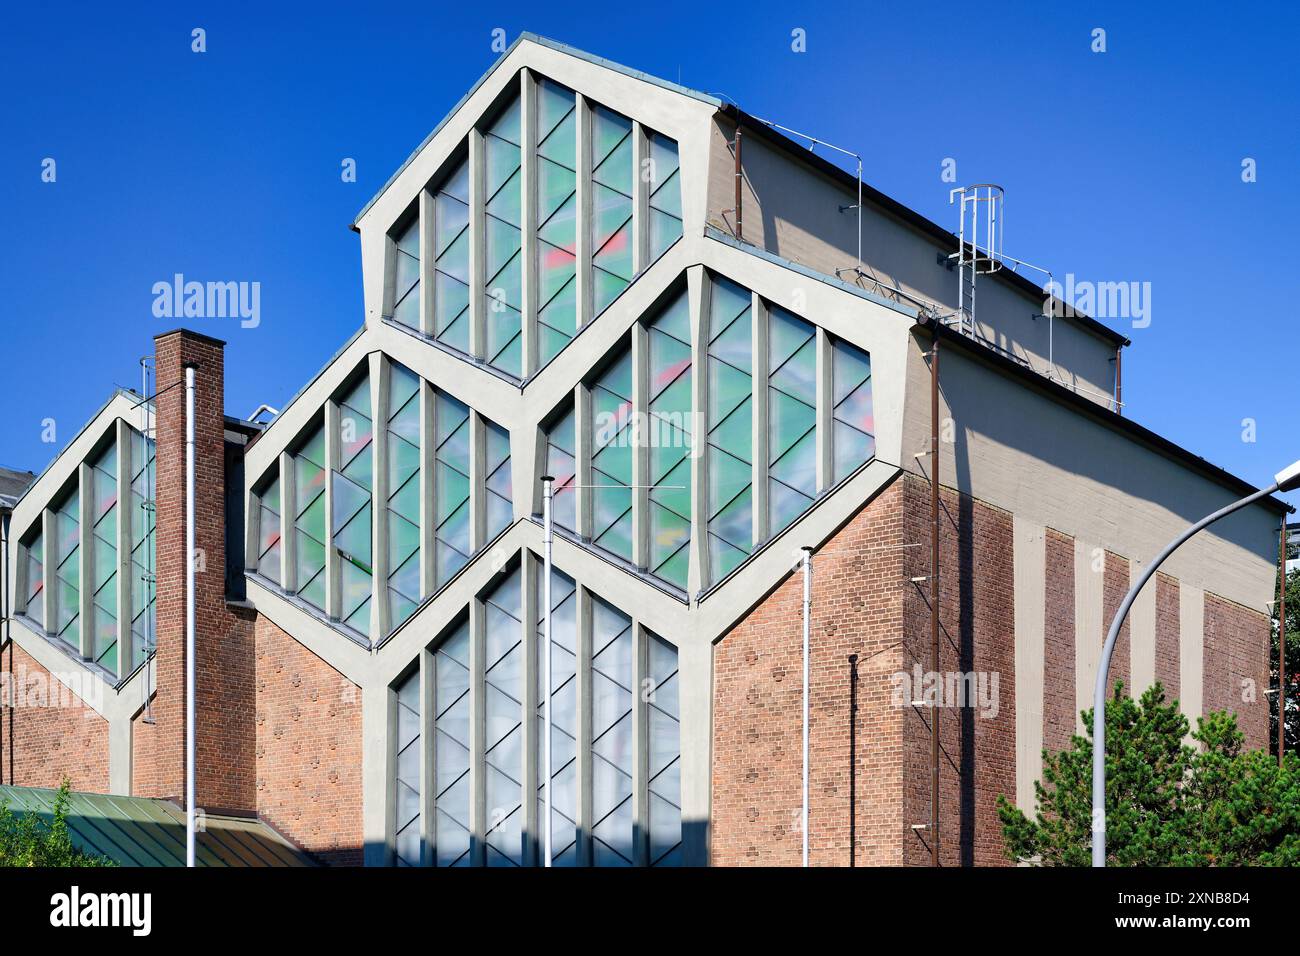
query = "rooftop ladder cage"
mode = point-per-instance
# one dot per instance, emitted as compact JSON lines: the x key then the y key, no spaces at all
{"x":979,"y":245}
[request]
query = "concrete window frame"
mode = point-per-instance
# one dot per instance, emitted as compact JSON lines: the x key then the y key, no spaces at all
{"x":421,"y":672}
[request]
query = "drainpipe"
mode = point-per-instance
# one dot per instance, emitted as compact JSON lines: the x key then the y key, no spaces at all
{"x":1119,"y":380}
{"x":740,"y":230}
{"x":807,"y":629}
{"x":547,"y":518}
{"x":189,"y":614}
{"x":853,"y":759}
{"x":1281,"y":647}
{"x":934,"y":593}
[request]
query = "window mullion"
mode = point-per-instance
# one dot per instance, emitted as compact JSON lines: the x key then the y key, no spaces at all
{"x":698,"y":290}
{"x":528,"y":213}
{"x":759,"y":431}
{"x":125,"y":612}
{"x":333,"y":565}
{"x":825,"y":411}
{"x":380,"y":371}
{"x":85,"y":557}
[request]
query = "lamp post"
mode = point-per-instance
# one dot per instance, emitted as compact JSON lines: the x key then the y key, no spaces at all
{"x":1286,"y":480}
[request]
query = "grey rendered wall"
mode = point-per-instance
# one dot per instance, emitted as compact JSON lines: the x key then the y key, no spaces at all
{"x":793,"y":211}
{"x":1020,"y":449}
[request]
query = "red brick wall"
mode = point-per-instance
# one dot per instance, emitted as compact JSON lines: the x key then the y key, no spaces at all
{"x":1115,"y":585}
{"x":1236,"y":675}
{"x":308,"y":748}
{"x":977,"y":753}
{"x":1168,"y":652}
{"x":858,"y":588}
{"x":49,"y":733}
{"x":865,"y":603}
{"x":224,"y":662}
{"x":1059,"y":711}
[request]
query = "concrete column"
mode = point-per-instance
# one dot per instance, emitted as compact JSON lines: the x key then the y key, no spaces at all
{"x":695,"y":687}
{"x":640,"y":199}
{"x":376,"y":783}
{"x":125,"y":644}
{"x":1089,"y":623}
{"x":1191,"y":652}
{"x":758,"y":420}
{"x":825,"y":411}
{"x":641,"y":438}
{"x":477,"y":246}
{"x":640,"y":746}
{"x":582,"y":428}
{"x":1142,"y":634}
{"x":428,"y":755}
{"x":697,"y":288}
{"x":333,"y":563}
{"x":530,"y":582}
{"x":380,"y":371}
{"x":85,"y":557}
{"x":477,"y":734}
{"x":528,"y":215}
{"x":49,"y":554}
{"x":427,"y":246}
{"x":585,"y":819}
{"x":1030,"y":581}
{"x":582,"y":118}
{"x":119,"y":752}
{"x":288,"y":536}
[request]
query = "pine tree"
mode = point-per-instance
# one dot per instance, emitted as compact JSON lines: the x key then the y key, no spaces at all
{"x":1167,"y":803}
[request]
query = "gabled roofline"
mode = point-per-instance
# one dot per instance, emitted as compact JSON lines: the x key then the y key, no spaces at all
{"x":119,"y":391}
{"x":559,"y":48}
{"x":922,"y":224}
{"x":253,"y":438}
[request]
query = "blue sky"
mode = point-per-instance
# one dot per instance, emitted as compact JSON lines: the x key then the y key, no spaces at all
{"x":1119,"y":166}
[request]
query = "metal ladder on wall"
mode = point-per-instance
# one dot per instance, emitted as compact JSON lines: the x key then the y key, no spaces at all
{"x":979,"y":246}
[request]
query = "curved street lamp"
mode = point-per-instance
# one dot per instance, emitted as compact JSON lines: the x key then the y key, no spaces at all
{"x":1286,"y":480}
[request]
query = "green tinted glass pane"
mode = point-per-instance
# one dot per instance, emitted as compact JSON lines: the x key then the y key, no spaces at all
{"x":728,"y":476}
{"x":450,"y":221}
{"x":734,"y":434}
{"x":789,"y":420}
{"x":608,"y":287}
{"x":312,"y":521}
{"x":403,"y":542}
{"x":852,"y":367}
{"x":851,"y":448}
{"x":798,"y":466}
{"x":734,"y":344}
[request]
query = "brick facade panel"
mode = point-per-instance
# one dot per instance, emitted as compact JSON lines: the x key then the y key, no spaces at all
{"x":49,"y":732}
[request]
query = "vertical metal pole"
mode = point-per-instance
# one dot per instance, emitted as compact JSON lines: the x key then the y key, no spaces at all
{"x":740,"y":228}
{"x":1281,"y":646}
{"x":934,"y":594}
{"x":1108,"y":650}
{"x":807,"y":629}
{"x":853,"y":759}
{"x":859,"y":217}
{"x":547,"y":521}
{"x":189,"y":614}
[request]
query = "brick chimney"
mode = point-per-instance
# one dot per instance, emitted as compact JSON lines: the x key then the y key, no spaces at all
{"x":224,"y":674}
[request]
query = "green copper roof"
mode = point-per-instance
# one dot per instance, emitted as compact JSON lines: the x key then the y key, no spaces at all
{"x":138,"y":831}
